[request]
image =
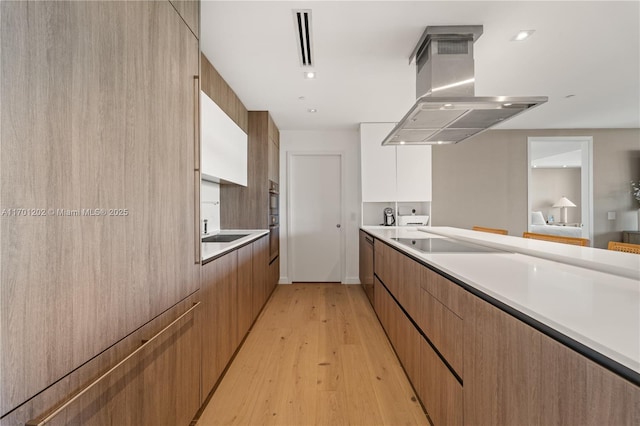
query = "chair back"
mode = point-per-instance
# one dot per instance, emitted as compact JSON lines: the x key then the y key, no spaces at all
{"x":624,"y":247}
{"x":557,"y":239}
{"x":491,"y":230}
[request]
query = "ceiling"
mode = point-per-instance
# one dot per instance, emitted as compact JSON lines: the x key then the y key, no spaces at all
{"x":590,"y":50}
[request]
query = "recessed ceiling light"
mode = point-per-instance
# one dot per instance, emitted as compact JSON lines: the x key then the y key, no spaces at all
{"x":309,"y":75}
{"x":301,"y":98}
{"x":523,"y":35}
{"x":569,"y":96}
{"x":312,"y":110}
{"x":402,"y":142}
{"x":507,"y":104}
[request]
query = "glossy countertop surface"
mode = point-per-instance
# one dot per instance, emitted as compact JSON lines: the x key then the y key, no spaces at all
{"x":211,"y":250}
{"x":597,"y":309}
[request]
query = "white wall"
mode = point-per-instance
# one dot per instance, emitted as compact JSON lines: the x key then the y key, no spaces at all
{"x":347,"y":142}
{"x":210,"y":206}
{"x":483,"y":181}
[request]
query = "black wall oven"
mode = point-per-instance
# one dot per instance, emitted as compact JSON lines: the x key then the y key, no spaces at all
{"x":274,"y":220}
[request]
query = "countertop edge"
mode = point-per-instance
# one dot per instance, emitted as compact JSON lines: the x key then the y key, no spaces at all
{"x":254,"y":235}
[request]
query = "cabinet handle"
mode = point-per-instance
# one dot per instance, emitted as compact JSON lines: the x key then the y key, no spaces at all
{"x":196,"y":121}
{"x":36,"y":422}
{"x":196,"y":216}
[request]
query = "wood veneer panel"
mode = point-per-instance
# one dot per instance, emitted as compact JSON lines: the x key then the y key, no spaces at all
{"x":219,"y":298}
{"x":449,"y":294}
{"x":440,"y":392}
{"x":91,"y":119}
{"x":222,"y":94}
{"x":248,"y":207}
{"x":245,"y":290}
{"x":189,"y":10}
{"x":444,"y":329}
{"x":260,"y":275}
{"x":514,"y":374}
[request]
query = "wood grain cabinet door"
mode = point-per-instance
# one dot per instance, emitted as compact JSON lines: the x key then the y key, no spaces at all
{"x":260,"y":275}
{"x":245,"y":289}
{"x":219,"y":298}
{"x":97,"y":141}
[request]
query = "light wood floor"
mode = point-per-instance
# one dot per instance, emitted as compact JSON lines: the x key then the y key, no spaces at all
{"x":317,"y":355}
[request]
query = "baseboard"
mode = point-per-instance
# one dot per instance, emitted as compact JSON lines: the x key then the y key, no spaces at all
{"x":284,"y":280}
{"x":351,"y":280}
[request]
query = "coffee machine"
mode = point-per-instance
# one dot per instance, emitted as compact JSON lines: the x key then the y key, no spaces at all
{"x":388,"y":217}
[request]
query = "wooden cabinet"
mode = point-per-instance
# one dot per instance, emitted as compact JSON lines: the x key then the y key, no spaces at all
{"x":512,"y":373}
{"x":245,"y":289}
{"x":261,"y":277}
{"x":401,"y":275}
{"x":189,"y":10}
{"x":403,"y":336}
{"x":274,"y":152}
{"x":440,"y":392}
{"x":234,"y":289}
{"x":99,"y":106}
{"x":152,"y":376}
{"x":248,"y":208}
{"x":366,"y":264}
{"x":515,"y":374}
{"x":219,"y":333}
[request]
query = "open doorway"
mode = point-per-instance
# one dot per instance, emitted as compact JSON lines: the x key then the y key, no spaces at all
{"x":560,"y":186}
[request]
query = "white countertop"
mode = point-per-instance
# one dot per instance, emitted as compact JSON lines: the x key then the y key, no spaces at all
{"x":597,"y":309}
{"x":210,"y":250}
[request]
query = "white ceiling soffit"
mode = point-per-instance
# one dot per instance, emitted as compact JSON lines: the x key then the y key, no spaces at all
{"x":585,"y":56}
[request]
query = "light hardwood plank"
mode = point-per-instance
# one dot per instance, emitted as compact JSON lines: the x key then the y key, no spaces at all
{"x":316,"y":355}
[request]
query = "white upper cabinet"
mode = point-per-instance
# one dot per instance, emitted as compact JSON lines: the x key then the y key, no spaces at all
{"x":377,"y":163}
{"x":413,"y":173}
{"x":224,"y":145}
{"x":391,"y":173}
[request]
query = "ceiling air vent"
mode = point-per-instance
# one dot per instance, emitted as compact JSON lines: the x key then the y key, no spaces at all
{"x":302,"y":19}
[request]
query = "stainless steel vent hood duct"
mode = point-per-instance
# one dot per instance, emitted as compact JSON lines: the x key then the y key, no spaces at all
{"x":447,"y":110}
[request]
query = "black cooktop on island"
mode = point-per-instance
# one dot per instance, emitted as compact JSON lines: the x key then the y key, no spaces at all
{"x":444,"y":245}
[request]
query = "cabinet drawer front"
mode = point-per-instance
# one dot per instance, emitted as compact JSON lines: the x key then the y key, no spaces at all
{"x":443,"y":328}
{"x":449,"y":294}
{"x":440,"y":392}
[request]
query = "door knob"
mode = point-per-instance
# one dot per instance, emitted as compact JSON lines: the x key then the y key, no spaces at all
{"x":338,"y":226}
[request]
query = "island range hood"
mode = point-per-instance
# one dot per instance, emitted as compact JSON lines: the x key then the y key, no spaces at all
{"x":447,"y":110}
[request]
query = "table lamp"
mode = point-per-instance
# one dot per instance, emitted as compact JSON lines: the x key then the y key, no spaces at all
{"x":563,"y":203}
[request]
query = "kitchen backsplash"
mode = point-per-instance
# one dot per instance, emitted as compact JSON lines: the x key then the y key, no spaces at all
{"x":210,"y":206}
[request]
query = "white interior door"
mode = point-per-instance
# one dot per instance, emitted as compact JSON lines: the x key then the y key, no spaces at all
{"x":315,"y":215}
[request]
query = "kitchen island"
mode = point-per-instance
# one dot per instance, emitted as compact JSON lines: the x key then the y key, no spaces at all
{"x":510,"y":337}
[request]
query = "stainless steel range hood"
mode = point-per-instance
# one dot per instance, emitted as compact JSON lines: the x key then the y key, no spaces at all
{"x":447,"y":110}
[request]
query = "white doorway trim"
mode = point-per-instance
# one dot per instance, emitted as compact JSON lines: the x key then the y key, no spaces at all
{"x":586,"y":176}
{"x":290,"y":248}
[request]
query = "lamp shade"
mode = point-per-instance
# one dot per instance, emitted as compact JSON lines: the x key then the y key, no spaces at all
{"x":563,"y":202}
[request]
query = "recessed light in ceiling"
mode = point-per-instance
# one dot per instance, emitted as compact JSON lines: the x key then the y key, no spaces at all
{"x":523,"y":35}
{"x":569,"y":96}
{"x":312,"y":110}
{"x":301,"y":98}
{"x":310,"y":74}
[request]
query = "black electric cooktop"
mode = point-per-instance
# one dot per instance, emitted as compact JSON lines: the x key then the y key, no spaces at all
{"x":444,"y":245}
